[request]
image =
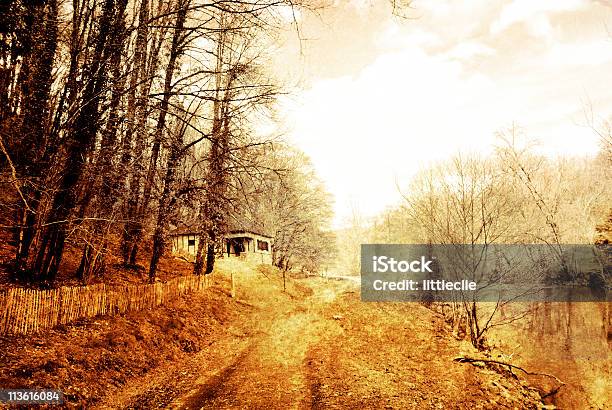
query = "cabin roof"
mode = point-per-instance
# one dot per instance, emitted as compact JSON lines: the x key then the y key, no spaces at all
{"x":247,"y":232}
{"x":191,"y":231}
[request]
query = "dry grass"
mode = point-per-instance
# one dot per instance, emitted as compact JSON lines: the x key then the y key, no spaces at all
{"x":88,"y":358}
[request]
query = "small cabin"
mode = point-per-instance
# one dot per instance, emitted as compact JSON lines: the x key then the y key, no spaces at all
{"x":247,"y":245}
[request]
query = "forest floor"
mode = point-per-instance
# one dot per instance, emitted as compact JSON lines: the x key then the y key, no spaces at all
{"x":315,"y":345}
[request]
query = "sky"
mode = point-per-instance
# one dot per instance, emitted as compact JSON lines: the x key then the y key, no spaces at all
{"x":376,"y":97}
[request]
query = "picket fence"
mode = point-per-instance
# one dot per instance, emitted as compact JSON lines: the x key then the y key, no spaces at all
{"x":25,"y":311}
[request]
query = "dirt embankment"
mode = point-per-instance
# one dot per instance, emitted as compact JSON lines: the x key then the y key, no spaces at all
{"x":316,"y":346}
{"x":401,"y":356}
{"x":90,"y":358}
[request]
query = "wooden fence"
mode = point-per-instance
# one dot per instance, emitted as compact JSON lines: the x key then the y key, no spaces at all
{"x":24,"y":311}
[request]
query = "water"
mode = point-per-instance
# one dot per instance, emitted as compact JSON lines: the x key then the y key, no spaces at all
{"x":570,"y":340}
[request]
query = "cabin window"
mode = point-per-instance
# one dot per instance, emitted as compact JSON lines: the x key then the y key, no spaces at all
{"x":191,"y":242}
{"x":262,"y":245}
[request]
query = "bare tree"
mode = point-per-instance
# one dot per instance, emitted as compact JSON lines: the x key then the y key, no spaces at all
{"x":115,"y":114}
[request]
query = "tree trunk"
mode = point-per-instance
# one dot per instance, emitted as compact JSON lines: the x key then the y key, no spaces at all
{"x":175,"y":53}
{"x":136,"y":109}
{"x":107,"y":180}
{"x":35,"y":78}
{"x":79,"y":142}
{"x":198,"y":267}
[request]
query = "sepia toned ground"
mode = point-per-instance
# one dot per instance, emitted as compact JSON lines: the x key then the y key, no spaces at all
{"x":323,"y":348}
{"x":315,"y":346}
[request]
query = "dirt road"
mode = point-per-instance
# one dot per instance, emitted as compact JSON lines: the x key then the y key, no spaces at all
{"x":321,"y":347}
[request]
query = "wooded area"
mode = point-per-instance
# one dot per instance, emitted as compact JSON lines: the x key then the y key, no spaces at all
{"x":122,"y":118}
{"x":513,"y":196}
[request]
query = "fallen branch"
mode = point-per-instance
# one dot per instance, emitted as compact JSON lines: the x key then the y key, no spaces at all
{"x":183,"y":258}
{"x":463,"y":359}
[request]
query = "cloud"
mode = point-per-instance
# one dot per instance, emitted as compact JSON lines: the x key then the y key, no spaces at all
{"x":469,"y":50}
{"x":399,"y":113}
{"x":395,"y":36}
{"x":409,"y":108}
{"x":426,"y":93}
{"x":534,"y":13}
{"x":590,"y":53}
